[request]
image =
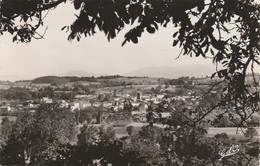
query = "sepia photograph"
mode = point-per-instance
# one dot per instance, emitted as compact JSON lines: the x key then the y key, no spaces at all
{"x":130,"y":82}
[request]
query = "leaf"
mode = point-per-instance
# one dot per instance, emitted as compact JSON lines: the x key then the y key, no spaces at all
{"x":124,"y":42}
{"x":224,"y":62}
{"x":25,"y":18}
{"x":213,"y":75}
{"x":165,"y":24}
{"x":175,"y":42}
{"x":14,"y":38}
{"x":134,"y":39}
{"x":222,"y":73}
{"x":211,"y":51}
{"x":10,"y":30}
{"x":175,"y":34}
{"x":204,"y":43}
{"x":63,"y":28}
{"x":207,"y":49}
{"x":198,"y":54}
{"x":150,"y":29}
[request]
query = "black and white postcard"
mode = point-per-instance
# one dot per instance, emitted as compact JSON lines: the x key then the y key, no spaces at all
{"x":130,"y":82}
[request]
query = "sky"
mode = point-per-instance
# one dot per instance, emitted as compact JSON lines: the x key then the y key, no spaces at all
{"x":55,"y":55}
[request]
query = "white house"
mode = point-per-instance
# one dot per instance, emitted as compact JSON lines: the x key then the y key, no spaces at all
{"x":165,"y":114}
{"x":75,"y":106}
{"x":46,"y":100}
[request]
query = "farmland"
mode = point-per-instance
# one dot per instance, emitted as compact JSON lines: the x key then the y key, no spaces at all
{"x":212,"y":131}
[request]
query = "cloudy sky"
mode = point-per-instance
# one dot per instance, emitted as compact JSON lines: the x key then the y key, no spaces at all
{"x":56,"y":55}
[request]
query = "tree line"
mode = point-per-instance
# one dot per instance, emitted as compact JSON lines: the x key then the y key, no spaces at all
{"x":50,"y":136}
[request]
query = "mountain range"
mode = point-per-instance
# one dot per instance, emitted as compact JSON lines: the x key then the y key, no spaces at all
{"x":175,"y":72}
{"x":196,"y":70}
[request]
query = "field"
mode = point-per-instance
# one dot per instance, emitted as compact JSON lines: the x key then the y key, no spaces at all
{"x":126,"y":89}
{"x":131,"y":88}
{"x":231,"y":131}
{"x":3,"y":86}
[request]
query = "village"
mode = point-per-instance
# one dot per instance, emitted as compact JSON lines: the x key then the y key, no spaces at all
{"x":132,"y":99}
{"x":115,"y":101}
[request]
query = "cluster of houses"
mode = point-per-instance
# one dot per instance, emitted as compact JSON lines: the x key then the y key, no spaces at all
{"x":136,"y":105}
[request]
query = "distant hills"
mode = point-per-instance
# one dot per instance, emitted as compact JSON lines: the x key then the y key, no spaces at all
{"x":157,"y":72}
{"x":175,"y":72}
{"x":61,"y":79}
{"x":196,"y":70}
